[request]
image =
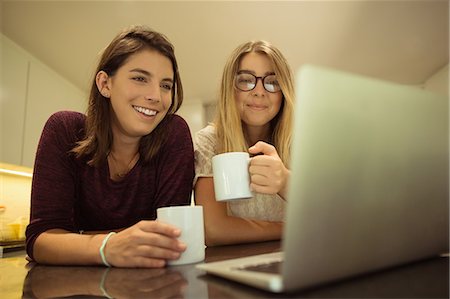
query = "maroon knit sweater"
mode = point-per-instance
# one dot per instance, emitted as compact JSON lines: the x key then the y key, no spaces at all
{"x":69,"y":194}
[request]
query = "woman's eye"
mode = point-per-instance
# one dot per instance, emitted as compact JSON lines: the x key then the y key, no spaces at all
{"x":139,"y":79}
{"x":247,"y":81}
{"x":167,"y":86}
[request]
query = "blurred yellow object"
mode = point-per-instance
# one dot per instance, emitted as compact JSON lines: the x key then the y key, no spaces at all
{"x":6,"y":232}
{"x":15,"y":228}
{"x":15,"y":192}
{"x":18,"y":227}
{"x":13,"y":231}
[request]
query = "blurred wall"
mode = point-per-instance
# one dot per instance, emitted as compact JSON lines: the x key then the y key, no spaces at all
{"x":438,"y":82}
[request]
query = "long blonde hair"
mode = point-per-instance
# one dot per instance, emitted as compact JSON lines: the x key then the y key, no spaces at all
{"x":228,"y":124}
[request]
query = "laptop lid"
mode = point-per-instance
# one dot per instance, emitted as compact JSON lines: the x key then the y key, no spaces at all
{"x":369,"y":182}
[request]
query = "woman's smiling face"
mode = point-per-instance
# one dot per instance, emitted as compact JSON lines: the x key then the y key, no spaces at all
{"x":257,"y":107}
{"x":140,"y":93}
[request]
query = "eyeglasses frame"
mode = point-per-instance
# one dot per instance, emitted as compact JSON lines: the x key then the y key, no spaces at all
{"x":256,"y":83}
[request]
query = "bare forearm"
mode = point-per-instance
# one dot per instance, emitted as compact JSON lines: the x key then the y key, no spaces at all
{"x":240,"y":230}
{"x":59,"y":247}
{"x":221,"y":228}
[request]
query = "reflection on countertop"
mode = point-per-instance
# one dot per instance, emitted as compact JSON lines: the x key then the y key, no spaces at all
{"x":60,"y":281}
{"x":20,"y":279}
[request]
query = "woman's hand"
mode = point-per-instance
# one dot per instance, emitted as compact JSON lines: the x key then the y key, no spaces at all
{"x":267,"y":172}
{"x":146,"y":244}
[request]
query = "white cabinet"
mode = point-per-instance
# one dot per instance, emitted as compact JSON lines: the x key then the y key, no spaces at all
{"x":13,"y":87}
{"x":47,"y":93}
{"x":30,"y":93}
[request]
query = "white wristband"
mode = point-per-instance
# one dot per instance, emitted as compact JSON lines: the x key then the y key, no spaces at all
{"x":102,"y":248}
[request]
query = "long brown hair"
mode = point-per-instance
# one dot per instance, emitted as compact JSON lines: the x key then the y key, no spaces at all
{"x":230,"y":135}
{"x":98,"y":136}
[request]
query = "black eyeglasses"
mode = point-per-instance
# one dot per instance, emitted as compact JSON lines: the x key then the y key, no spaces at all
{"x":247,"y":82}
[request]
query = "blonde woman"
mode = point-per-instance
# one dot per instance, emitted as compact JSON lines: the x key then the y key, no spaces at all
{"x":254,"y":115}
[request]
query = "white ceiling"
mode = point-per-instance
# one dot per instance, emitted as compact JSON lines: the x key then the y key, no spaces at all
{"x":402,"y":41}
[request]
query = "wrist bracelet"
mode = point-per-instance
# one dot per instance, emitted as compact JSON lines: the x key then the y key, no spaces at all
{"x":102,"y":248}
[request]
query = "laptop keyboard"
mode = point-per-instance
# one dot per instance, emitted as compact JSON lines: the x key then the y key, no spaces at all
{"x":272,"y":267}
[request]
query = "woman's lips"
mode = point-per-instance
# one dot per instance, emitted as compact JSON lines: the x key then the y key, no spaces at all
{"x":257,"y":107}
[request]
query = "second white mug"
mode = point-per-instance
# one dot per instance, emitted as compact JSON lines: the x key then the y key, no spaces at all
{"x":190,"y":220}
{"x":231,"y":176}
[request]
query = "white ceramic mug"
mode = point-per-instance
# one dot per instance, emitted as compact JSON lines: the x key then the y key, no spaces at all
{"x":231,"y":176}
{"x":189,"y":219}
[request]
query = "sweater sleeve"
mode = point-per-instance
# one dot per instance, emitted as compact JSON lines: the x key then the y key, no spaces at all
{"x":204,"y":150}
{"x":53,"y":185}
{"x":175,"y":167}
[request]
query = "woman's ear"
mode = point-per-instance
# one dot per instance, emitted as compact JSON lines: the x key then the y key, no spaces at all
{"x":102,"y":81}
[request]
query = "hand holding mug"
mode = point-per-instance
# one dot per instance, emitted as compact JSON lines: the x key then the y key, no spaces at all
{"x":189,"y":219}
{"x":147,"y":244}
{"x":267,"y":171}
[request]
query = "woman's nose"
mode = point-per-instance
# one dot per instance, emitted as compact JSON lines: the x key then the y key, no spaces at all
{"x":153,"y":93}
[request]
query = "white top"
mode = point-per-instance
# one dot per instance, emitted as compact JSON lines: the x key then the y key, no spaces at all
{"x":260,"y":206}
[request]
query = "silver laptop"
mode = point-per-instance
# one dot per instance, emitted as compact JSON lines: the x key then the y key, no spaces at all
{"x":369,"y":184}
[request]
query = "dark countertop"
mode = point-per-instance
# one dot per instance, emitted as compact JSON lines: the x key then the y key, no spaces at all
{"x":424,"y":279}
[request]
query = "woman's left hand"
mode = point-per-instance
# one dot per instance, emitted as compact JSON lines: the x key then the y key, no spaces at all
{"x":267,"y":172}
